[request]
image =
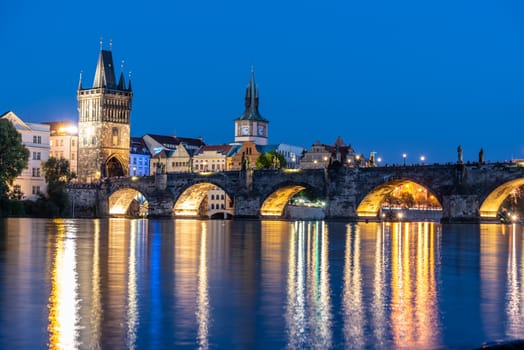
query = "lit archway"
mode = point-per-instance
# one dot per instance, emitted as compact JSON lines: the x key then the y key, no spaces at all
{"x":128,"y":202}
{"x":491,"y":205}
{"x":371,"y":205}
{"x":276,"y":202}
{"x":114,"y":168}
{"x":194,"y":202}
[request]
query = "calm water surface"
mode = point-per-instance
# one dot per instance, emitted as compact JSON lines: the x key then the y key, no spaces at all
{"x":139,"y":284}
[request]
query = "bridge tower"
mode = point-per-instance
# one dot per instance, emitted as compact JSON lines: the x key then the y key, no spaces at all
{"x":251,"y":126}
{"x":104,"y":122}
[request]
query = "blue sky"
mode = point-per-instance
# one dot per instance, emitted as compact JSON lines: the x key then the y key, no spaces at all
{"x":412,"y":76}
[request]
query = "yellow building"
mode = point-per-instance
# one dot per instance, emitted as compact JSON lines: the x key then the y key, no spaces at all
{"x":63,"y":142}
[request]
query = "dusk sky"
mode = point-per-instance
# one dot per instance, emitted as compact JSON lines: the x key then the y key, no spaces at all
{"x":412,"y":76}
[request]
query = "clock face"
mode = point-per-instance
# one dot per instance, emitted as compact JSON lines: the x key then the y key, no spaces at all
{"x":261,"y":130}
{"x":244,"y":130}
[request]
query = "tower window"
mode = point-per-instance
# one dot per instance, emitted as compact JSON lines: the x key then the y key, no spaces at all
{"x":115,"y":137}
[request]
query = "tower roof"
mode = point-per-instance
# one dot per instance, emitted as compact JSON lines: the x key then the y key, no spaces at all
{"x":251,"y":101}
{"x":105,"y":72}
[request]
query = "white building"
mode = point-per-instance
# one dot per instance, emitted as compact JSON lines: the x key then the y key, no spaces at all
{"x":35,"y":137}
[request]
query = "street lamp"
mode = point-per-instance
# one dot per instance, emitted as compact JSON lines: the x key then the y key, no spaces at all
{"x":404,"y":155}
{"x":422,"y":159}
{"x":379,"y":160}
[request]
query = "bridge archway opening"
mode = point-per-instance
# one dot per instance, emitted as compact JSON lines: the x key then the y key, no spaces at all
{"x":204,"y":199}
{"x":275,"y":204}
{"x":399,"y":199}
{"x":492,"y":207}
{"x":128,"y":202}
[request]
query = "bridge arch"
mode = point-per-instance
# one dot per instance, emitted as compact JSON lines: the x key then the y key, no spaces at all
{"x":370,"y":205}
{"x":190,"y":203}
{"x":492,"y":202}
{"x":128,"y":202}
{"x":275,"y":203}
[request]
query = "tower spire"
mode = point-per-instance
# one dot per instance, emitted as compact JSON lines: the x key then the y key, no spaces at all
{"x":80,"y":81}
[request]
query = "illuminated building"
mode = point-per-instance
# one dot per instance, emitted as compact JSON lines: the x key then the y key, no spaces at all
{"x":139,"y":157}
{"x":104,"y":123}
{"x":35,"y":137}
{"x":173,"y":153}
{"x":64,"y":142}
{"x":321,"y":155}
{"x":211,"y":158}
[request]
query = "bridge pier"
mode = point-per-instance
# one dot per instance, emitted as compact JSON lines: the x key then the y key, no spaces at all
{"x":460,"y":208}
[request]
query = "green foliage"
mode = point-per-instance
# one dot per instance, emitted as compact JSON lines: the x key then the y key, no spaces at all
{"x":57,"y":175}
{"x":13,"y":155}
{"x":271,"y":160}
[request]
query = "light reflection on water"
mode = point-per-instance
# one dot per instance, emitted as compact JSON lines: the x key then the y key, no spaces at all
{"x":142,"y":284}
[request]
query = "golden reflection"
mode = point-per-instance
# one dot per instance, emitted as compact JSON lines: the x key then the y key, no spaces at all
{"x":308,"y":314}
{"x":63,"y":302}
{"x":414,"y":310}
{"x":352,"y":303}
{"x":132,"y":303}
{"x":203,"y":293}
{"x":515,"y":293}
{"x":96,"y":309}
{"x":502,"y":245}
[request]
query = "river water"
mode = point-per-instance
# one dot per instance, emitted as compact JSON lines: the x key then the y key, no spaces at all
{"x":241,"y":284}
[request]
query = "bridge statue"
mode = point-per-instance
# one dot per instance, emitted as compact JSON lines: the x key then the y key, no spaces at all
{"x":481,"y":156}
{"x":459,"y":151}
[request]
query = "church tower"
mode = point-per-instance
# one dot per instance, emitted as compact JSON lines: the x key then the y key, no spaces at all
{"x":251,"y":126}
{"x":104,"y":123}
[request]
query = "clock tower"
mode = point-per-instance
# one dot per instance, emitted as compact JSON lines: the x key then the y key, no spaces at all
{"x":251,"y":126}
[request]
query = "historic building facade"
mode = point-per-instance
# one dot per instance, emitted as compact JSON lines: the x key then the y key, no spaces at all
{"x":35,"y":137}
{"x":104,"y":123}
{"x":63,"y":142}
{"x":251,"y":126}
{"x":139,"y":157}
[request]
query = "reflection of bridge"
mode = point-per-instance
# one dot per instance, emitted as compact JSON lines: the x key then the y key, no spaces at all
{"x":466,"y":192}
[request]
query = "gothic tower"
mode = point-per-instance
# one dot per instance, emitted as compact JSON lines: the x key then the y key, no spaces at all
{"x":251,"y":126}
{"x":104,"y":123}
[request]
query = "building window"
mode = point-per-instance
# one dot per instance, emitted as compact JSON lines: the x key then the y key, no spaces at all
{"x":36,"y":172}
{"x":115,"y":137}
{"x":37,"y":139}
{"x":36,"y":190}
{"x":93,"y":140}
{"x":73,"y":143}
{"x":61,"y":142}
{"x":73,"y":156}
{"x":36,"y":155}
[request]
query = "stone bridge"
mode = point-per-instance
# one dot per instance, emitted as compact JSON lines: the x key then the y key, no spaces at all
{"x":466,"y":192}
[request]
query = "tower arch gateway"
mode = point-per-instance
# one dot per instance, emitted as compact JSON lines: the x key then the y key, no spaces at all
{"x":104,"y":123}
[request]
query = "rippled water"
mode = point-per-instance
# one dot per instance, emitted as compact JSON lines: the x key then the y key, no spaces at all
{"x":140,"y":284}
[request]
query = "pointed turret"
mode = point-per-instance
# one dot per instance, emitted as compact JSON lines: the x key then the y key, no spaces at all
{"x":129,"y":83}
{"x":105,"y":72}
{"x":121,"y":82}
{"x":251,"y":101}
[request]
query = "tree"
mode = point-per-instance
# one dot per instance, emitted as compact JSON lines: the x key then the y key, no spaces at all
{"x":13,"y":158}
{"x":271,"y":160}
{"x":57,"y":175}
